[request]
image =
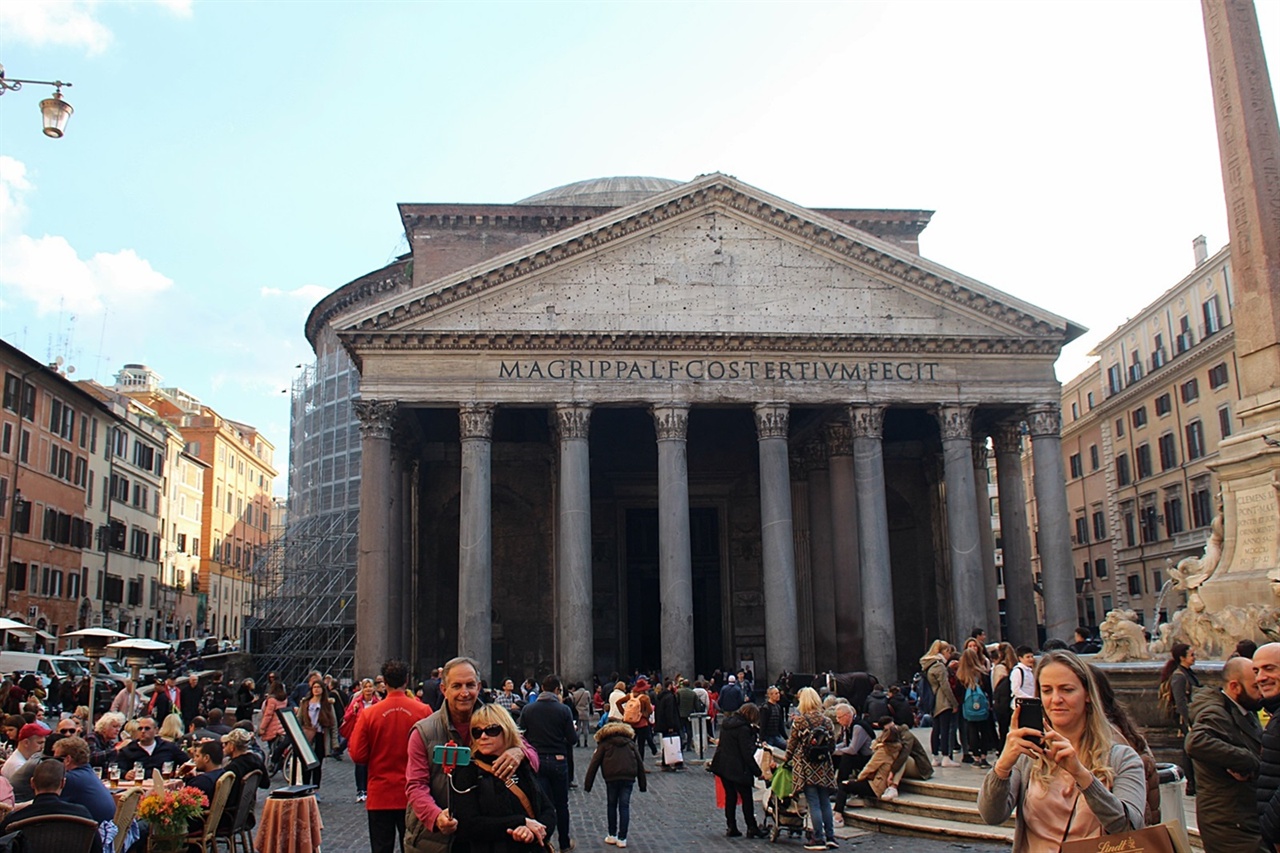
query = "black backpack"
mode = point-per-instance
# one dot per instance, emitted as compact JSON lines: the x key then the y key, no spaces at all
{"x":819,"y":746}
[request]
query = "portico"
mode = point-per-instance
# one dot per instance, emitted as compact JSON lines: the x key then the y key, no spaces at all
{"x":703,"y":427}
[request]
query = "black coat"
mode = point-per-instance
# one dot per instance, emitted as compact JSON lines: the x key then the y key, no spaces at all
{"x":735,"y":761}
{"x":666,"y":714}
{"x":51,"y":804}
{"x":487,"y":809}
{"x":1269,"y":782}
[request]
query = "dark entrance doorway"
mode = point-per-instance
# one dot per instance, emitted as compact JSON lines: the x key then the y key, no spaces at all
{"x":644,"y":605}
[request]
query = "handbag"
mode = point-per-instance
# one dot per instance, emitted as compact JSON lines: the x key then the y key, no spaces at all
{"x":522,"y":797}
{"x":1153,"y":839}
{"x":671,"y":753}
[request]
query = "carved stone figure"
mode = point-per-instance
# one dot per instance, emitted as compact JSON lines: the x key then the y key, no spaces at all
{"x":1192,"y":572}
{"x":1122,"y":637}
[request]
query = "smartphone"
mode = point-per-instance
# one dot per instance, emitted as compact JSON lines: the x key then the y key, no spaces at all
{"x":1030,"y":716}
{"x":451,"y":755}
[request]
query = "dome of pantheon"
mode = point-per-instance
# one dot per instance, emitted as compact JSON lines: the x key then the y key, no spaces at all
{"x":603,"y":192}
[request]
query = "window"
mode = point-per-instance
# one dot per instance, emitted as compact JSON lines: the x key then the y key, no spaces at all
{"x":1195,"y":440}
{"x":1119,"y":427}
{"x":1190,"y":390}
{"x":1130,"y":523}
{"x":1093,"y":457}
{"x":1139,"y":417}
{"x":29,"y":402}
{"x":1224,"y":421}
{"x":1089,"y":398}
{"x":1164,"y":404}
{"x":182,"y":543}
{"x":1115,"y":380}
{"x":1168,"y":452}
{"x":1158,"y":357}
{"x":1144,"y":461}
{"x":12,"y":392}
{"x":1075,"y":411}
{"x":1185,"y":339}
{"x":1099,"y":526}
{"x":24,"y":446}
{"x":6,"y":440}
{"x":1123,"y":477}
{"x":1212,"y":316}
{"x":1106,"y":603}
{"x":1148,"y":523}
{"x":1135,"y":586}
{"x":1077,"y":466}
{"x":1100,"y":569}
{"x":1174,"y":517}
{"x":17,"y":576}
{"x":1218,"y":375}
{"x":1201,"y":503}
{"x":1082,"y":530}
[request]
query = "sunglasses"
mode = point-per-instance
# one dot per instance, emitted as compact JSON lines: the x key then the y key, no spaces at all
{"x":145,"y":728}
{"x":491,"y":731}
{"x":67,"y":731}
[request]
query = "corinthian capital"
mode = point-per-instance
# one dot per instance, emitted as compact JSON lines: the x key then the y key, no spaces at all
{"x":573,"y":420}
{"x":772,"y":419}
{"x":671,"y":420}
{"x":866,"y":421}
{"x":955,"y":422}
{"x":979,"y":454}
{"x":839,"y":437}
{"x":475,"y":420}
{"x":1045,"y":419}
{"x":1007,"y":437}
{"x":375,"y":417}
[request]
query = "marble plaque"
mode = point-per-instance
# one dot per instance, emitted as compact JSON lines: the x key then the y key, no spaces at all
{"x":1257,"y":529}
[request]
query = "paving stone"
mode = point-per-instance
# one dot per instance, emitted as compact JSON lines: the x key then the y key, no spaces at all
{"x":678,"y":812}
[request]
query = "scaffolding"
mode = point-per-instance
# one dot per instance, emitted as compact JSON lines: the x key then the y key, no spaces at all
{"x":305,"y":616}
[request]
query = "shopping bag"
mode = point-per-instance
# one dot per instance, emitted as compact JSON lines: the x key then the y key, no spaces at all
{"x":1153,"y":839}
{"x":719,"y":793}
{"x":782,"y":785}
{"x":671,"y":754}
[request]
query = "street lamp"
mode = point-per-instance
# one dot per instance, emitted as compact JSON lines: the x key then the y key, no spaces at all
{"x":54,"y":110}
{"x":94,"y":642}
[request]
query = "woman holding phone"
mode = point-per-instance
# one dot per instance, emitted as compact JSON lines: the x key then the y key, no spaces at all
{"x":1070,"y":778}
{"x":495,"y":816}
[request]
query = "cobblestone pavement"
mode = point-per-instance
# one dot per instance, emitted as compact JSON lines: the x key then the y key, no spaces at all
{"x":678,"y":812}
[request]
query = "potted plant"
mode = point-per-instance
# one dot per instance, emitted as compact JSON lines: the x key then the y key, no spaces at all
{"x":169,"y":813}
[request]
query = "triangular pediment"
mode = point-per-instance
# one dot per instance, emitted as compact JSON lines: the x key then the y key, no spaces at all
{"x":711,"y":257}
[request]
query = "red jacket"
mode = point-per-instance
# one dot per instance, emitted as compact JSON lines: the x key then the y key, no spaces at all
{"x":381,"y":740}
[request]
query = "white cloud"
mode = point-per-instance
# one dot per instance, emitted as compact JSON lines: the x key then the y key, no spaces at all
{"x":69,"y":23}
{"x":308,"y":292}
{"x":50,"y":273}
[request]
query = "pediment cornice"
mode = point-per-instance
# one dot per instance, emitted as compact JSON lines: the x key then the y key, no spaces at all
{"x":718,"y":192}
{"x":364,"y":342}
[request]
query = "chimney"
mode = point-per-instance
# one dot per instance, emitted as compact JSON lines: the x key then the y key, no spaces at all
{"x":1201,"y":247}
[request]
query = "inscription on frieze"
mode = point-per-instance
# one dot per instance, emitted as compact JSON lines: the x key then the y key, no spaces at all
{"x":699,"y":369}
{"x":1257,"y":527}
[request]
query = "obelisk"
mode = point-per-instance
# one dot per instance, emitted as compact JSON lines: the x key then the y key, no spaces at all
{"x":1249,"y":148}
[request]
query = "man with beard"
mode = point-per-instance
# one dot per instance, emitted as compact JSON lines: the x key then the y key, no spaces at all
{"x":1266,"y":666}
{"x":1224,"y":743}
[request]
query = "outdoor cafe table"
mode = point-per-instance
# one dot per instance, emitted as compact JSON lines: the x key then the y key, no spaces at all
{"x":289,"y":826}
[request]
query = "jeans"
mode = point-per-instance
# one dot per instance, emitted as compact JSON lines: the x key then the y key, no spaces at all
{"x":362,"y":778}
{"x":553,"y":774}
{"x":384,"y":826}
{"x":944,"y":727}
{"x":619,"y":807}
{"x":312,"y":777}
{"x":644,"y":735}
{"x":819,"y":800}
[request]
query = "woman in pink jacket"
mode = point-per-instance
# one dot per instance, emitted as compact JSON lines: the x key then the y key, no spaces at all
{"x":270,"y":729}
{"x":367,"y":697}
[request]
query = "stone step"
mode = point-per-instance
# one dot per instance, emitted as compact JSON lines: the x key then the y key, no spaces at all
{"x":929,"y":806}
{"x":918,"y":826}
{"x":949,"y":790}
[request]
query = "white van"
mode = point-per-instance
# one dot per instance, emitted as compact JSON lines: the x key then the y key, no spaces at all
{"x":46,"y":666}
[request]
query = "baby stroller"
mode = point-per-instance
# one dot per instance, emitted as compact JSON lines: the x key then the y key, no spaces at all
{"x":781,"y":813}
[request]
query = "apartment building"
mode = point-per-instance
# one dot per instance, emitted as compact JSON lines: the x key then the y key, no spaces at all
{"x":1140,"y":435}
{"x":180,"y":558}
{"x":236,"y":504}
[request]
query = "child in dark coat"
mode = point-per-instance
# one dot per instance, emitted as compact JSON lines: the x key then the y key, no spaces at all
{"x":618,"y":759}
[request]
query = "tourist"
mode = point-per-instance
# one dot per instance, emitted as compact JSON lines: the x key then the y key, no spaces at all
{"x":1177,"y":682}
{"x":580,"y":696}
{"x":809,"y":749}
{"x":128,"y":701}
{"x":171,"y":728}
{"x":731,"y":697}
{"x":945,"y":706}
{"x":379,"y":742}
{"x":426,"y":783}
{"x":636,"y":710}
{"x":1266,"y":666}
{"x":666,"y":721}
{"x":875,"y":780}
{"x":28,"y":746}
{"x":1081,"y":783}
{"x":735,"y":765}
{"x":47,"y":783}
{"x":365,"y":698}
{"x":246,"y":699}
{"x":149,"y":750}
{"x":852,"y":752}
{"x":1002,"y":666}
{"x":244,"y":759}
{"x":104,"y":741}
{"x":507,"y":696}
{"x":773,"y":719}
{"x":80,"y":784}
{"x":190,"y":695}
{"x":493,"y":814}
{"x":976,"y":711}
{"x":270,"y":729}
{"x":1125,"y":728}
{"x":1224,"y":745}
{"x":548,"y":727}
{"x":616,"y":698}
{"x":618,"y":759}
{"x":318,"y":721}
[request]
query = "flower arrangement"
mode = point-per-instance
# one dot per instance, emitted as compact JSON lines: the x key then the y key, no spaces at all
{"x":169,"y":812}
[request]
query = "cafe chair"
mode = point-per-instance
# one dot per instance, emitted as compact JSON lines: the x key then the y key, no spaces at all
{"x":207,"y":839}
{"x":63,"y":833}
{"x":126,"y":809}
{"x":241,"y":832}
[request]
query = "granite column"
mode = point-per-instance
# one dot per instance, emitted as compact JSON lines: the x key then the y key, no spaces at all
{"x":573,"y":545}
{"x":880,"y":641}
{"x":675,"y":563}
{"x":844,"y":547}
{"x":822,"y":582}
{"x":968,"y":592}
{"x":986,"y":536}
{"x":1019,"y":585}
{"x":1057,"y":572}
{"x":778,"y":546}
{"x":475,"y":538}
{"x":373,"y":569}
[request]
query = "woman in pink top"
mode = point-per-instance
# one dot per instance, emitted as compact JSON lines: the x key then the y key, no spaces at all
{"x":270,"y":729}
{"x":366,"y":698}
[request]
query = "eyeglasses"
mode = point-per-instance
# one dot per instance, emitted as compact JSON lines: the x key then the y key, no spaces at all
{"x":145,"y":728}
{"x":67,"y":731}
{"x":491,"y":731}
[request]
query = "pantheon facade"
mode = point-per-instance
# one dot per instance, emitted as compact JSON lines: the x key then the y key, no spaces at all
{"x":635,"y":423}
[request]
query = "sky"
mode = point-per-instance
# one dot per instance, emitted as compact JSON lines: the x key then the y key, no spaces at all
{"x":229,"y":163}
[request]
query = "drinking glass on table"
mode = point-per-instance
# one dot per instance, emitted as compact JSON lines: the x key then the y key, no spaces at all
{"x":139,"y":774}
{"x":166,"y":769}
{"x":113,"y":773}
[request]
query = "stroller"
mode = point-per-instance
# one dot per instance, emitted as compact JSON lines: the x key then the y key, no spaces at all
{"x":781,"y":814}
